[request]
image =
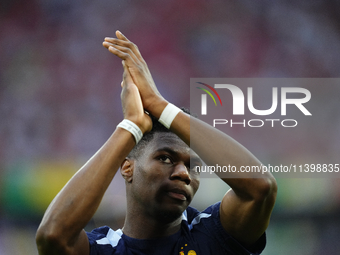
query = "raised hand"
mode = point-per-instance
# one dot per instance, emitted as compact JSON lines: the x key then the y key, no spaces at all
{"x":132,"y":104}
{"x":122,"y":47}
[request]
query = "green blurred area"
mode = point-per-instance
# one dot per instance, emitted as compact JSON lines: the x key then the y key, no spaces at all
{"x":28,"y":188}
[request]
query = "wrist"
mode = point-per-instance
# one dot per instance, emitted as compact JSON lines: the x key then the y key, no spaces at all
{"x":157,"y":107}
{"x":131,"y":127}
{"x":144,"y":122}
{"x":168,"y":115}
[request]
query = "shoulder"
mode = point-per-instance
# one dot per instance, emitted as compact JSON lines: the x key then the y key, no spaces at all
{"x":102,"y":240}
{"x":206,"y":227}
{"x":193,"y":217}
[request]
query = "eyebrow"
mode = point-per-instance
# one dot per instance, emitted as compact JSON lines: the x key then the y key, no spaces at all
{"x":194,"y":159}
{"x":168,"y":150}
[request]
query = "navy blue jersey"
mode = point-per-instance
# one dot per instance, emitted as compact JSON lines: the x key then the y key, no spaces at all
{"x":201,"y":233}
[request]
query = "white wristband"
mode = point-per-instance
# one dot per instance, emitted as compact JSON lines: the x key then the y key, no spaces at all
{"x":168,"y":115}
{"x":132,"y":128}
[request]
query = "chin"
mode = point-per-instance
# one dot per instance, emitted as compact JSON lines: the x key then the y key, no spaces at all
{"x":170,"y":214}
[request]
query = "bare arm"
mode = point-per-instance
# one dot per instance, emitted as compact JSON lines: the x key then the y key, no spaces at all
{"x":61,"y":230}
{"x":246,"y":208}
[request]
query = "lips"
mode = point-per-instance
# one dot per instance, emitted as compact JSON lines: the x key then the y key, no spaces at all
{"x":178,"y":194}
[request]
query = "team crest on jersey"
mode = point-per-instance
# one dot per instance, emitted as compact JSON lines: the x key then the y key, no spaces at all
{"x":191,"y":252}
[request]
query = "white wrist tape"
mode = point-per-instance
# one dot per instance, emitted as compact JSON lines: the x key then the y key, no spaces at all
{"x":168,"y":115}
{"x":132,"y":128}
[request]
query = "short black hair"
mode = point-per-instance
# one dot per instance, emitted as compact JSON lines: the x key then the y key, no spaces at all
{"x":157,"y":127}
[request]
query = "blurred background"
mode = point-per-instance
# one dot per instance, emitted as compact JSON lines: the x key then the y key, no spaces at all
{"x":59,"y":98}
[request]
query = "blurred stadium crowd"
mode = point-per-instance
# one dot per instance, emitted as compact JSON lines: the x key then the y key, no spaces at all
{"x":59,"y":98}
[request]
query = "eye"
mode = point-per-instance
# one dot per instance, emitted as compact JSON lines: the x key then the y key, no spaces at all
{"x":165,"y":159}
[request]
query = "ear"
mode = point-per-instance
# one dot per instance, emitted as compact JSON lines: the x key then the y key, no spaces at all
{"x":126,"y":169}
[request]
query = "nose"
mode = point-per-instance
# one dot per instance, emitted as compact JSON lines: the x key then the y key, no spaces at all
{"x":181,"y":173}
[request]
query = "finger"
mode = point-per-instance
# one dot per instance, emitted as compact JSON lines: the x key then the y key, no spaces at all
{"x":123,"y":49}
{"x":105,"y":44}
{"x":125,"y":43}
{"x":123,"y":55}
{"x":127,"y":79}
{"x":129,"y":45}
{"x":121,"y":36}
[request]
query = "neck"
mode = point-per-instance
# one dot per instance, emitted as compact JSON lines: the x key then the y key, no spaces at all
{"x":141,"y":225}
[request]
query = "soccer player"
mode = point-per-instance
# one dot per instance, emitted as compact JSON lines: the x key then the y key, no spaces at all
{"x":159,"y":169}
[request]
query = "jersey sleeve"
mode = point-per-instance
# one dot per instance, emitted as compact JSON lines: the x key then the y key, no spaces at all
{"x":102,"y":240}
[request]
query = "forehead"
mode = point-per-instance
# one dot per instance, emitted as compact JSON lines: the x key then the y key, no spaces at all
{"x":170,"y":140}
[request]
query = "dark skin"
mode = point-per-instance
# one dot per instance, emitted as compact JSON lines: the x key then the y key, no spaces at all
{"x":159,"y":193}
{"x":245,"y":208}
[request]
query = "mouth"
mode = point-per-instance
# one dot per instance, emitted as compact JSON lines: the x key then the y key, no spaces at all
{"x":178,"y":194}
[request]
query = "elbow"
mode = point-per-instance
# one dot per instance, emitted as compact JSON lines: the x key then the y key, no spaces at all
{"x":49,"y":242}
{"x":266,"y":190}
